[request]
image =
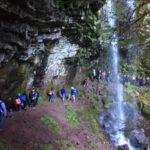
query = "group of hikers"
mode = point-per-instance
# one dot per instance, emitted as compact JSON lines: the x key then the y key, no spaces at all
{"x":99,"y":74}
{"x":23,"y":100}
{"x":63,"y":94}
{"x":19,"y":102}
{"x":109,"y":76}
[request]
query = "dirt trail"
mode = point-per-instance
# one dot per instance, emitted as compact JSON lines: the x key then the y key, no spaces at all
{"x":25,"y":130}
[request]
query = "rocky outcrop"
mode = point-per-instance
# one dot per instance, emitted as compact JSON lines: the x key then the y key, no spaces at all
{"x":22,"y":22}
{"x":144,"y":100}
{"x":30,"y":31}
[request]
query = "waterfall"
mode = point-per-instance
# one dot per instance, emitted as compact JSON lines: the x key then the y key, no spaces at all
{"x":117,"y":118}
{"x":131,"y":8}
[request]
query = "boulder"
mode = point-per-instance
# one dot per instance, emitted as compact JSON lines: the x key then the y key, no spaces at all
{"x":123,"y":147}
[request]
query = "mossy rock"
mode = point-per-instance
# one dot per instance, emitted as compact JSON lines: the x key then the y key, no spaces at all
{"x":144,"y":101}
{"x":146,"y":109}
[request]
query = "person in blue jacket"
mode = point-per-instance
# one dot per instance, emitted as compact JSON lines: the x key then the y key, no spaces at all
{"x":33,"y":95}
{"x":73,"y":94}
{"x":63,"y":94}
{"x":3,"y":113}
{"x":24,"y":100}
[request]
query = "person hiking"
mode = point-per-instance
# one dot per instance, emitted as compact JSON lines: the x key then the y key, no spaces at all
{"x":104,"y":75}
{"x":85,"y":82}
{"x":9,"y":107}
{"x":133,"y":79}
{"x":18,"y":102}
{"x":51,"y":95}
{"x":99,"y":74}
{"x":24,"y":100}
{"x":3,"y":113}
{"x":37,"y":97}
{"x":33,"y":96}
{"x":63,"y":94}
{"x":94,"y":74}
{"x":125,"y":79}
{"x":109,"y":76}
{"x":73,"y":94}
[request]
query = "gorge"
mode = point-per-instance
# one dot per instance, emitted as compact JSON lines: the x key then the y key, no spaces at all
{"x":46,"y":43}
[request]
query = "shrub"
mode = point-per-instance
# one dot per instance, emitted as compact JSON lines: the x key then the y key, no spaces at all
{"x":52,"y":124}
{"x":71,"y":116}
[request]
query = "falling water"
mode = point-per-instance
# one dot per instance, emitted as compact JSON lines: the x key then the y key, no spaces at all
{"x":131,"y":7}
{"x":116,"y":123}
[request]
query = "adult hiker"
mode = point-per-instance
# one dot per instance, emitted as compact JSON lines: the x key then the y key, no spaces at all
{"x":3,"y":113}
{"x":18,"y":102}
{"x":24,"y":100}
{"x":104,"y":75}
{"x":9,"y":107}
{"x":99,"y":74}
{"x":33,"y":96}
{"x":109,"y":76}
{"x":133,"y":79}
{"x":94,"y":74}
{"x":51,"y":95}
{"x":73,"y":94}
{"x":125,"y":79}
{"x":85,"y":82}
{"x":63,"y":94}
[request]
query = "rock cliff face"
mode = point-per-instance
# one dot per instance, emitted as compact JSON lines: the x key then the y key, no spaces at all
{"x":36,"y":37}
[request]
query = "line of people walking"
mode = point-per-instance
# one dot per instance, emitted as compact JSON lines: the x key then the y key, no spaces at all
{"x":23,"y":100}
{"x":20,"y":102}
{"x":71,"y":96}
{"x":110,"y":76}
{"x":100,"y":75}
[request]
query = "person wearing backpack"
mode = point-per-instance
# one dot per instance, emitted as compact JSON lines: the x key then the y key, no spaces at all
{"x":33,"y":95}
{"x":18,"y":102}
{"x":9,"y":106}
{"x":3,"y":112}
{"x":51,"y":95}
{"x":63,"y":94}
{"x":73,"y":94}
{"x":24,"y":100}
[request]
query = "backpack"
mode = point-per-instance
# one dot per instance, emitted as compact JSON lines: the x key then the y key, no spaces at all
{"x":50,"y":93}
{"x":34,"y":96}
{"x":73,"y":92}
{"x":18,"y":102}
{"x":1,"y":108}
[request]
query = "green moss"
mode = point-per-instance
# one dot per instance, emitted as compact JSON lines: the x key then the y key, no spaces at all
{"x":52,"y":124}
{"x":43,"y":95}
{"x":145,"y":62}
{"x":46,"y":147}
{"x":94,"y":104}
{"x":129,"y":91}
{"x":71,"y":116}
{"x":87,"y":115}
{"x":144,"y":100}
{"x":146,"y":109}
{"x":3,"y":146}
{"x":65,"y":145}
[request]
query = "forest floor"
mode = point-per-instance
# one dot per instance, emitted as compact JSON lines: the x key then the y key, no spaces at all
{"x":47,"y":128}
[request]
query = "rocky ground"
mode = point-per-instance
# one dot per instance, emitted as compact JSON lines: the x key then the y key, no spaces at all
{"x":26,"y":130}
